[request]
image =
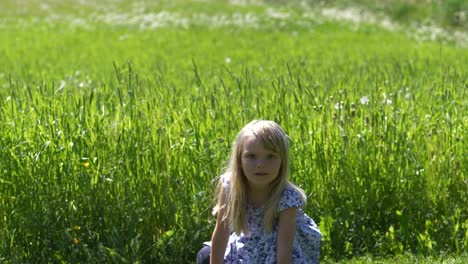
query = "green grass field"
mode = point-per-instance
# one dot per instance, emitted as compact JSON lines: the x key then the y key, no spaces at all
{"x":116,"y":117}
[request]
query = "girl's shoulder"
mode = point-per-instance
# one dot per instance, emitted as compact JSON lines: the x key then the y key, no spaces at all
{"x":291,"y":196}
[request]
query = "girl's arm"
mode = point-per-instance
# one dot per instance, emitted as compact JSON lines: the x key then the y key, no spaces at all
{"x":219,"y":239}
{"x":286,"y":233}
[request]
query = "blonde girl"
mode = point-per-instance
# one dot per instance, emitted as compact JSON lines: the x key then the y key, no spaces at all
{"x":259,"y":216}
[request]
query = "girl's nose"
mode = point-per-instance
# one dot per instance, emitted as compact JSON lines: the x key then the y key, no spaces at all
{"x":260,"y":163}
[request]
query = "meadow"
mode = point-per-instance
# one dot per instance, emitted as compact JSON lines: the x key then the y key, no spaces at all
{"x":117,"y":116}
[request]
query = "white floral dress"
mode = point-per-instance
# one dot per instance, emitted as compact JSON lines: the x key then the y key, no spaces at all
{"x":260,"y":247}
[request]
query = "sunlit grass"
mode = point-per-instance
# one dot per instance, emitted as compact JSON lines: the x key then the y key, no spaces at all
{"x":405,"y":258}
{"x":112,"y":133}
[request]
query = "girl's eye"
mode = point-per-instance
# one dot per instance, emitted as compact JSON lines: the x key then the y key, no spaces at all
{"x":250,"y":156}
{"x":271,"y":156}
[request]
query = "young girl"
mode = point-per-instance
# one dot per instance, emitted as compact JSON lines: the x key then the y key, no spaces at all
{"x":257,"y":203}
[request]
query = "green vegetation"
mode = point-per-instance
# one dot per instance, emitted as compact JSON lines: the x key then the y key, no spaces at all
{"x":116,"y":117}
{"x":449,"y":13}
{"x":404,"y":258}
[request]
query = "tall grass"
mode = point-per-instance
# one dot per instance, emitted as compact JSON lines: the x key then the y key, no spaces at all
{"x":111,"y":136}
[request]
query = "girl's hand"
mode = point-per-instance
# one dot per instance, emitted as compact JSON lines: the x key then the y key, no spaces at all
{"x":286,"y":233}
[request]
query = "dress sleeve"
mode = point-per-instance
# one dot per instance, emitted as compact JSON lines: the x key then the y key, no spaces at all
{"x":290,"y":198}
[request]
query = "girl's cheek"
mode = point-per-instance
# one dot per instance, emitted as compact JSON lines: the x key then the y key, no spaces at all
{"x":246,"y":163}
{"x":249,"y":162}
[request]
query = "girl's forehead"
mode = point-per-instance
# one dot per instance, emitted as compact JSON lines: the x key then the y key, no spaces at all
{"x":252,"y":143}
{"x":252,"y":140}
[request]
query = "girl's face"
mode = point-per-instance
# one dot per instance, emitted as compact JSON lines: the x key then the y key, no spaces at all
{"x":260,"y":165}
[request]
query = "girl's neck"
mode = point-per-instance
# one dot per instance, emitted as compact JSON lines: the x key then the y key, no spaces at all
{"x":258,"y":196}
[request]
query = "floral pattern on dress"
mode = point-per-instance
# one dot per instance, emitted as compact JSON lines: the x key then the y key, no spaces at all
{"x":260,"y":247}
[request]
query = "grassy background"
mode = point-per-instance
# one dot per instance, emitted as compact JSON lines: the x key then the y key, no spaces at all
{"x":448,"y":13}
{"x":111,"y":133}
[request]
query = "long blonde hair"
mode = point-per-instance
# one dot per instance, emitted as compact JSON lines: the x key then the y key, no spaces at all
{"x":233,"y":199}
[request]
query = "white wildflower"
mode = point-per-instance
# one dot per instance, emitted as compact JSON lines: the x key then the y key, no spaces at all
{"x":364,"y":100}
